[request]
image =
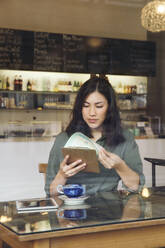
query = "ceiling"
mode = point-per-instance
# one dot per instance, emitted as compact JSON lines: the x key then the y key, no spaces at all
{"x":105,"y":18}
{"x":128,"y":3}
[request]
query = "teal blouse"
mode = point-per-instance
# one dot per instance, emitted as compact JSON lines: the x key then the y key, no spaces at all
{"x":107,"y":179}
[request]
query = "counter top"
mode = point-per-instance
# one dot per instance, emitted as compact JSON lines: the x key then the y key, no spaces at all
{"x":50,"y":138}
{"x":28,"y":139}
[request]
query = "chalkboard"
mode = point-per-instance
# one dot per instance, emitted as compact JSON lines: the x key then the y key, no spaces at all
{"x":98,"y":55}
{"x":48,"y":52}
{"x":27,"y":49}
{"x":5,"y":39}
{"x":131,"y":57}
{"x":16,"y":49}
{"x":142,"y":58}
{"x":119,"y":56}
{"x":74,"y":53}
{"x":43,"y":51}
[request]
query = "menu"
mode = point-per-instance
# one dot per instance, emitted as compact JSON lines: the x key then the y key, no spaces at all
{"x":43,"y":51}
{"x":98,"y":55}
{"x":142,"y":57}
{"x":74,"y":53}
{"x":131,"y":57}
{"x":48,"y":52}
{"x":16,"y":49}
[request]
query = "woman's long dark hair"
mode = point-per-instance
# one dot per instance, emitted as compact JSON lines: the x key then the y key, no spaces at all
{"x":112,"y":129}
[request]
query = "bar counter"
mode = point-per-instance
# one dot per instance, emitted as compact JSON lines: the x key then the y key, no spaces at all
{"x":107,"y":219}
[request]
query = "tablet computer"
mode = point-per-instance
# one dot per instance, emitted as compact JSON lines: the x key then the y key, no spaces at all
{"x":36,"y":204}
{"x":88,"y":156}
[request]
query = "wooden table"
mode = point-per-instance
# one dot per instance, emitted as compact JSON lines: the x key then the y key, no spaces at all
{"x":147,"y":230}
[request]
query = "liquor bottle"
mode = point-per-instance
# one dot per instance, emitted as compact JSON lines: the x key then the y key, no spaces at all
{"x":69,"y":86}
{"x":20,"y":82}
{"x":120,"y":89}
{"x":78,"y":86}
{"x":16,"y":83}
{"x":7,"y":84}
{"x":29,"y":86}
{"x":1,"y":85}
{"x":75,"y":86}
{"x":93,"y":75}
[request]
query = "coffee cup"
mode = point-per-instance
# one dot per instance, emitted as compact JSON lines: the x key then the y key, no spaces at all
{"x":72,"y":190}
{"x":72,"y":214}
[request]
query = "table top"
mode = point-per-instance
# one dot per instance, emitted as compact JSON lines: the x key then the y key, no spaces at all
{"x":103,"y":209}
{"x":156,"y":161}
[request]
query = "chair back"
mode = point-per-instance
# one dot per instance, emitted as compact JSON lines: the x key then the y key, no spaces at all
{"x":42,"y":167}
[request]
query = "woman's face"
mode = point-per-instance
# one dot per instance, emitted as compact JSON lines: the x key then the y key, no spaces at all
{"x":94,"y":110}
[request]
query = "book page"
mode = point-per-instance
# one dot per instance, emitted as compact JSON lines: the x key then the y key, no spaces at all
{"x":80,"y":140}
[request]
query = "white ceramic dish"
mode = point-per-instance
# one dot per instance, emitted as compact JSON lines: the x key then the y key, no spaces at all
{"x":73,"y":201}
{"x":72,"y":207}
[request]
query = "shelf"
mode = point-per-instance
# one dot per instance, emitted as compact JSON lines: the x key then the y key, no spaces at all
{"x":32,"y":109}
{"x":131,"y":94}
{"x":37,"y":92}
{"x":48,"y":100}
{"x":132,"y":110}
{"x":63,"y":92}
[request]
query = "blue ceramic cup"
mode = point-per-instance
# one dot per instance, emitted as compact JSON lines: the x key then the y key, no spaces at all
{"x":72,"y":190}
{"x":73,"y":214}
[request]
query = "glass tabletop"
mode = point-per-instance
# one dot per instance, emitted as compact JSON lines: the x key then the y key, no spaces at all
{"x":99,"y":209}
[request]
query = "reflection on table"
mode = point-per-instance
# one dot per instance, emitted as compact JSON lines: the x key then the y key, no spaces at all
{"x":100,"y":209}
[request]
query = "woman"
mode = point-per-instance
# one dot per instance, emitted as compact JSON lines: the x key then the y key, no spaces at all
{"x":96,"y":115}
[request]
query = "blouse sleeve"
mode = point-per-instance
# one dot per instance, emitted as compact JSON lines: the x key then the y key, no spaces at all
{"x":55,"y":158}
{"x":132,"y":158}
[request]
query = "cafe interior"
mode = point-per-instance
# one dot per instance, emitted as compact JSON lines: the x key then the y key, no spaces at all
{"x":48,"y":49}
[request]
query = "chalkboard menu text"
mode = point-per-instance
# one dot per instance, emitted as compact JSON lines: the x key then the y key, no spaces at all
{"x":43,"y":51}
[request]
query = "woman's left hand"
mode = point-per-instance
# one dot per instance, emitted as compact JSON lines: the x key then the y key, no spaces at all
{"x":110,"y":160}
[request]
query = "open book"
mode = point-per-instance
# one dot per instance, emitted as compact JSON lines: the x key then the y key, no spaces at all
{"x":79,"y":146}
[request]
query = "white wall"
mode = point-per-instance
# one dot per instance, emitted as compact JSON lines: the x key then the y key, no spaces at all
{"x":20,"y":178}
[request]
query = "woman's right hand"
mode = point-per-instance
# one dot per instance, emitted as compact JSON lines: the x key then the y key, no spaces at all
{"x":68,"y":170}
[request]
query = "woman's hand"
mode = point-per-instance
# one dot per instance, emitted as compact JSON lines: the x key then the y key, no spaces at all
{"x":110,"y":160}
{"x":68,"y":170}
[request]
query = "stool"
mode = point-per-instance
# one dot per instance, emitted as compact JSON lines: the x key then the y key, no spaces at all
{"x":155,"y":161}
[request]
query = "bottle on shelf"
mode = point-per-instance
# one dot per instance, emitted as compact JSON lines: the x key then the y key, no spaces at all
{"x":125,"y":89}
{"x":34,"y":85}
{"x":56,"y":87}
{"x":134,"y":89}
{"x":69,"y":86}
{"x":16,"y":83}
{"x":7,"y":84}
{"x":92,"y":75}
{"x":4,"y":85}
{"x":20,"y":82}
{"x":29,"y":86}
{"x":120,"y":89}
{"x":75,"y":86}
{"x":78,"y":85}
{"x":1,"y":86}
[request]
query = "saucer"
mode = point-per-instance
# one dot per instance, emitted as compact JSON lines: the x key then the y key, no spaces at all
{"x":73,"y":201}
{"x":72,"y":207}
